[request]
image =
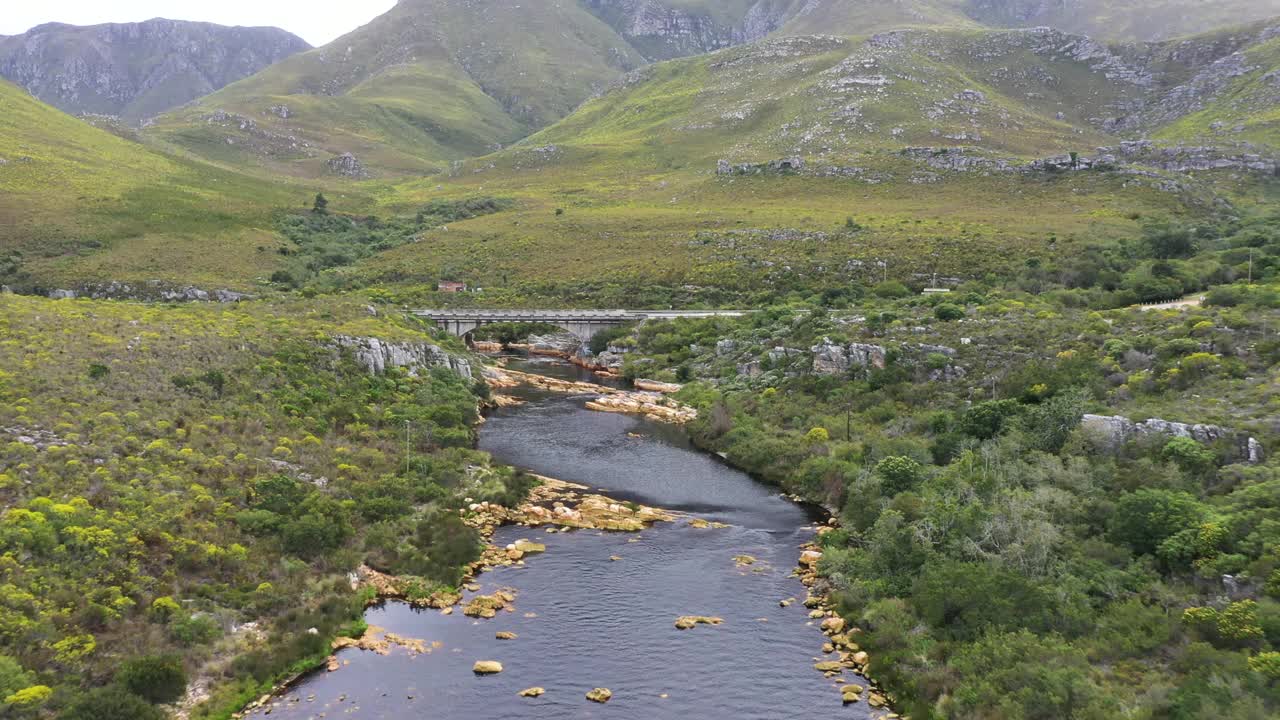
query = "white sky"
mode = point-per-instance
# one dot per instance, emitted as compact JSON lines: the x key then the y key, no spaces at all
{"x":316,"y":21}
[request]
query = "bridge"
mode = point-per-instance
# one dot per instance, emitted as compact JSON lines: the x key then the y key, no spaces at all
{"x":581,"y":323}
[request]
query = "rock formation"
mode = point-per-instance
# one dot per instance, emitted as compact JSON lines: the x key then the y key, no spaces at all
{"x":1114,"y":430}
{"x":376,"y":355}
{"x":137,"y":70}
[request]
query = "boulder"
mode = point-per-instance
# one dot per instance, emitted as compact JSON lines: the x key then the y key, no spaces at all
{"x":685,"y":622}
{"x":486,"y":667}
{"x":600,"y":695}
{"x":532,"y":692}
{"x":505,"y":635}
{"x":809,"y":558}
{"x":833,"y":625}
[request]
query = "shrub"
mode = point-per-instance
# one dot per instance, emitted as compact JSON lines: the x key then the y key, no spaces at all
{"x":1147,"y":517}
{"x":1190,"y":455}
{"x":891,"y":289}
{"x":156,"y":678}
{"x":948,"y":312}
{"x":987,"y":419}
{"x":111,"y":703}
{"x":898,"y":474}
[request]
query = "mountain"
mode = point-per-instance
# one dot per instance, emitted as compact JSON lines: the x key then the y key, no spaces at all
{"x":1020,"y":93}
{"x":136,"y":70}
{"x":428,"y":82}
{"x":665,"y":29}
{"x":78,"y":202}
{"x":1123,"y":19}
{"x":915,"y":153}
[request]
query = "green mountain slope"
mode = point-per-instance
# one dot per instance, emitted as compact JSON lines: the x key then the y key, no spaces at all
{"x":908,"y":154}
{"x":1123,"y":19}
{"x":77,"y":203}
{"x":1126,"y":20}
{"x":136,"y":70}
{"x":428,"y":82}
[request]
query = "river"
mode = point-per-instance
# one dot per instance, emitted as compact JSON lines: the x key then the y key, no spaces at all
{"x":584,"y":620}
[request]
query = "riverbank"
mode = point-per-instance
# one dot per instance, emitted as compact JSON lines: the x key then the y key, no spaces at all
{"x":572,"y":562}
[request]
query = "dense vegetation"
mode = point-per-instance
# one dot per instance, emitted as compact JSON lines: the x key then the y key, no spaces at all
{"x":1000,"y":560}
{"x":324,"y":241}
{"x":188,"y":487}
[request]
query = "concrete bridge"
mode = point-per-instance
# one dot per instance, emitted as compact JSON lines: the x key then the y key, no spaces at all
{"x":582,"y":323}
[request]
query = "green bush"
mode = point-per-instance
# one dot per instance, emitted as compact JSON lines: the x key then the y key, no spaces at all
{"x":158,"y":679}
{"x":948,"y":312}
{"x":111,"y":703}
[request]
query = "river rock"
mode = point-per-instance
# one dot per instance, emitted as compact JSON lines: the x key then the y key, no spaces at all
{"x":809,"y":558}
{"x":526,"y":546}
{"x":829,"y":666}
{"x":833,"y":625}
{"x":600,"y":695}
{"x":684,"y":622}
{"x":532,"y":692}
{"x":505,"y":635}
{"x":486,"y":667}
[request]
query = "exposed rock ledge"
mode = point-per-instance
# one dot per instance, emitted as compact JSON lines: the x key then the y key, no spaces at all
{"x":1114,"y":431}
{"x":152,"y":290}
{"x":377,"y":355}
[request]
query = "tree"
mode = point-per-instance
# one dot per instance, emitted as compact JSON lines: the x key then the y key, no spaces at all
{"x":1166,"y":240}
{"x":321,"y":206}
{"x":156,"y":678}
{"x":1194,"y":458}
{"x":111,"y":703}
{"x":987,"y":419}
{"x":1020,"y":675}
{"x":1146,"y":518}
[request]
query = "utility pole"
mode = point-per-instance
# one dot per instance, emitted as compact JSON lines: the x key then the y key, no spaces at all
{"x":408,"y":447}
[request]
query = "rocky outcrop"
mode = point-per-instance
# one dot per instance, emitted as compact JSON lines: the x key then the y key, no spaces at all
{"x":137,"y":70}
{"x":833,"y":359}
{"x":1128,"y":156}
{"x":1113,"y":431}
{"x":347,"y":165}
{"x":662,"y":30}
{"x":782,"y":166}
{"x":376,"y":355}
{"x":563,"y":344}
{"x":152,"y":290}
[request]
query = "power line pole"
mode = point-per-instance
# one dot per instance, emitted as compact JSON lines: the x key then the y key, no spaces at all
{"x":408,"y":447}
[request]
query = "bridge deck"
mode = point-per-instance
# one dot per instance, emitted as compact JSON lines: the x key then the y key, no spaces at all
{"x":583,"y":323}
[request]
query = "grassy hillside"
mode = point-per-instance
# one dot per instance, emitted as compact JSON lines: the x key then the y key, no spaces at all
{"x":629,"y":190}
{"x":79,"y":203}
{"x":429,"y":82}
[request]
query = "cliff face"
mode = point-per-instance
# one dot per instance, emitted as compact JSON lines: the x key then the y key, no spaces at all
{"x":662,"y":30}
{"x":136,"y":70}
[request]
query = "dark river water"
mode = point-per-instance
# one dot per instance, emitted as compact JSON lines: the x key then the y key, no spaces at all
{"x":585,"y":621}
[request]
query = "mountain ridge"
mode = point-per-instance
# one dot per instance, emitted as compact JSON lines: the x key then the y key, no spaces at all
{"x":136,"y":70}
